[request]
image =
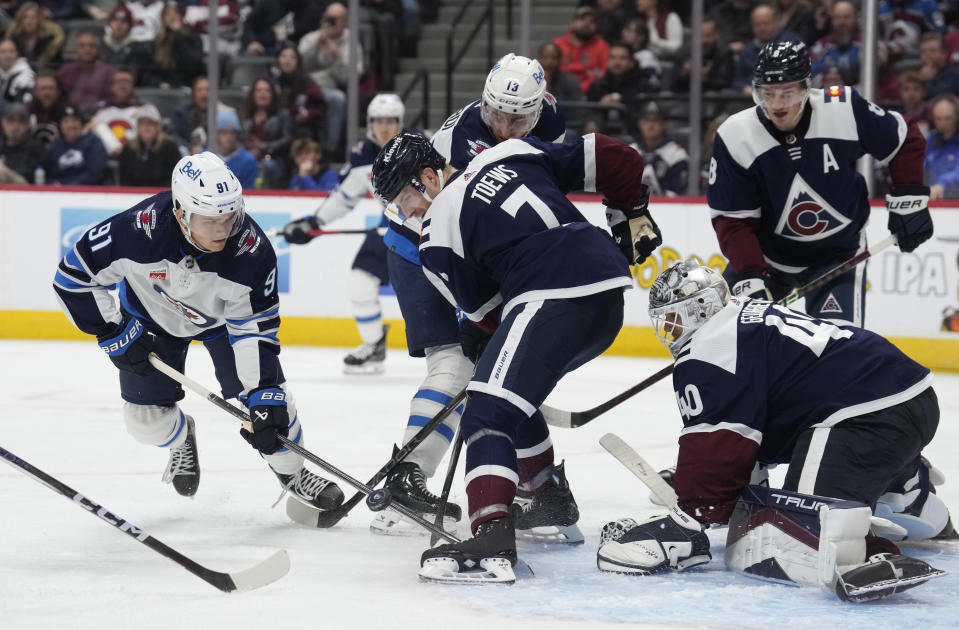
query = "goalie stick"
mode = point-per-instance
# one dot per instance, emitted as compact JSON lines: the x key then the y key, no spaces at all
{"x":261,"y":574}
{"x":635,"y":463}
{"x":376,"y":499}
{"x":574,"y":419}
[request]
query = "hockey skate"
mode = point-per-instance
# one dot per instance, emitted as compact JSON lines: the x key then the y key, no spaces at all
{"x":183,"y":467}
{"x":311,"y":489}
{"x":368,"y":358}
{"x":407,"y":484}
{"x":549,"y":513}
{"x":882,"y":575}
{"x":487,"y":558}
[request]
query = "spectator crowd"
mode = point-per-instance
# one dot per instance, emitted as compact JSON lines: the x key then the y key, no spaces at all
{"x":86,"y":85}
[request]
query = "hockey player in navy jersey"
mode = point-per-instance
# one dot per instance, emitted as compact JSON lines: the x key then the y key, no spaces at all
{"x":786,"y":200}
{"x":384,"y":119}
{"x":844,"y":408}
{"x":514,"y":104}
{"x":501,"y":240}
{"x":189,"y":264}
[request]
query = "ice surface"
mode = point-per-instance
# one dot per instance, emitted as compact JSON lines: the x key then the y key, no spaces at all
{"x":59,"y":568}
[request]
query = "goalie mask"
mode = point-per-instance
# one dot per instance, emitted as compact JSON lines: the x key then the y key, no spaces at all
{"x":210,"y":197}
{"x":513,"y":96}
{"x":384,"y":106}
{"x":682,"y":299}
{"x":781,"y":79}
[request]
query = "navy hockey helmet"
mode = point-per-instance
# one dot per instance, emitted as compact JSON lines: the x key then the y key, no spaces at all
{"x":400,"y":163}
{"x":782,"y":62}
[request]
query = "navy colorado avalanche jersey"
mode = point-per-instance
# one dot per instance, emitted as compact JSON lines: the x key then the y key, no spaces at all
{"x":502,"y":231}
{"x":140,"y":253}
{"x":755,"y":376}
{"x":464,"y":134}
{"x":802,"y":187}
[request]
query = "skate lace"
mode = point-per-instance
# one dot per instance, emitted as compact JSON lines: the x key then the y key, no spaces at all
{"x":418,"y":481}
{"x":364,"y":351}
{"x":182,"y":462}
{"x":304,"y":484}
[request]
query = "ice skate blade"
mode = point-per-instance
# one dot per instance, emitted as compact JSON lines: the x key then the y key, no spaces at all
{"x":551,"y":535}
{"x":391,"y":523}
{"x":445,"y":571}
{"x":370,"y":369}
{"x":303,"y":514}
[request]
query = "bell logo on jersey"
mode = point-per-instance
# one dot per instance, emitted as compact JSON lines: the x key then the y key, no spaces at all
{"x":147,"y":220}
{"x":189,"y":313}
{"x":807,"y":216}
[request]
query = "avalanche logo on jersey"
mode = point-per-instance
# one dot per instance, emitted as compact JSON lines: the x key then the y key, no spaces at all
{"x":477,"y":147}
{"x":189,"y":313}
{"x":249,"y":241}
{"x":831,"y":305}
{"x":807,"y":216}
{"x":147,"y":220}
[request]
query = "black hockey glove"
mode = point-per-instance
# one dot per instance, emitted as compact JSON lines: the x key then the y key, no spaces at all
{"x":633,"y":229}
{"x":270,"y":418}
{"x":298,"y":232}
{"x":129,"y":346}
{"x":909,"y":220}
{"x":473,"y":339}
{"x":762,"y":284}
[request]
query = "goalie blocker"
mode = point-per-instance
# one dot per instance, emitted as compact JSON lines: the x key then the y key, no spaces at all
{"x":809,"y":540}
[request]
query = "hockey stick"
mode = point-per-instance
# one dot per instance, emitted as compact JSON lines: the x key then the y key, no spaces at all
{"x":635,"y":463}
{"x":448,"y":483}
{"x":573,"y":419}
{"x":279,"y":232}
{"x":261,"y":574}
{"x":375,"y":499}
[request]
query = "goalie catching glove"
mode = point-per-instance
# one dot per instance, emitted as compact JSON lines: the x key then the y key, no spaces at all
{"x":760,"y":284}
{"x":673,"y":541}
{"x":909,"y":220}
{"x":633,"y":229}
{"x":270,"y":417}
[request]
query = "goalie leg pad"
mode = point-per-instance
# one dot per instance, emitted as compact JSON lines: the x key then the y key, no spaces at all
{"x":775,"y":535}
{"x":673,"y":541}
{"x":915,"y":506}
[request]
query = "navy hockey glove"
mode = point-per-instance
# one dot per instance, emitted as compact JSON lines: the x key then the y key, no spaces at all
{"x":298,"y":232}
{"x":270,"y":418}
{"x":909,"y":220}
{"x":761,"y":284}
{"x":671,"y":541}
{"x":473,"y":340}
{"x":129,"y":346}
{"x":633,"y":229}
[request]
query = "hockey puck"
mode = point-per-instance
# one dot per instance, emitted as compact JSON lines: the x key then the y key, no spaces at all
{"x":379,"y":499}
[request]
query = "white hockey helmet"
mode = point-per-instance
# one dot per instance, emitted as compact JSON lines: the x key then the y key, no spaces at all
{"x":204,"y":185}
{"x":515,"y":86}
{"x":682,"y":299}
{"x":384,"y":106}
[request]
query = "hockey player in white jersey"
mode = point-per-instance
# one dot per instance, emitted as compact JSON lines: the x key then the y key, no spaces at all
{"x":786,"y":200}
{"x":845,"y":409}
{"x":514,"y":104}
{"x":384,"y":119}
{"x":189,"y":264}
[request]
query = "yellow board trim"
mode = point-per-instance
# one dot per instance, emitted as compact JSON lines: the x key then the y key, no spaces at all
{"x":936,"y":354}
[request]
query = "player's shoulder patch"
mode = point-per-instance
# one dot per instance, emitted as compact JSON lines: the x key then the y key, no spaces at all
{"x":835,"y":94}
{"x":550,"y":101}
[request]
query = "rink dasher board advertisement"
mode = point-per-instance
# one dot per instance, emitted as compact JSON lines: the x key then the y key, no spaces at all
{"x":908,"y":297}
